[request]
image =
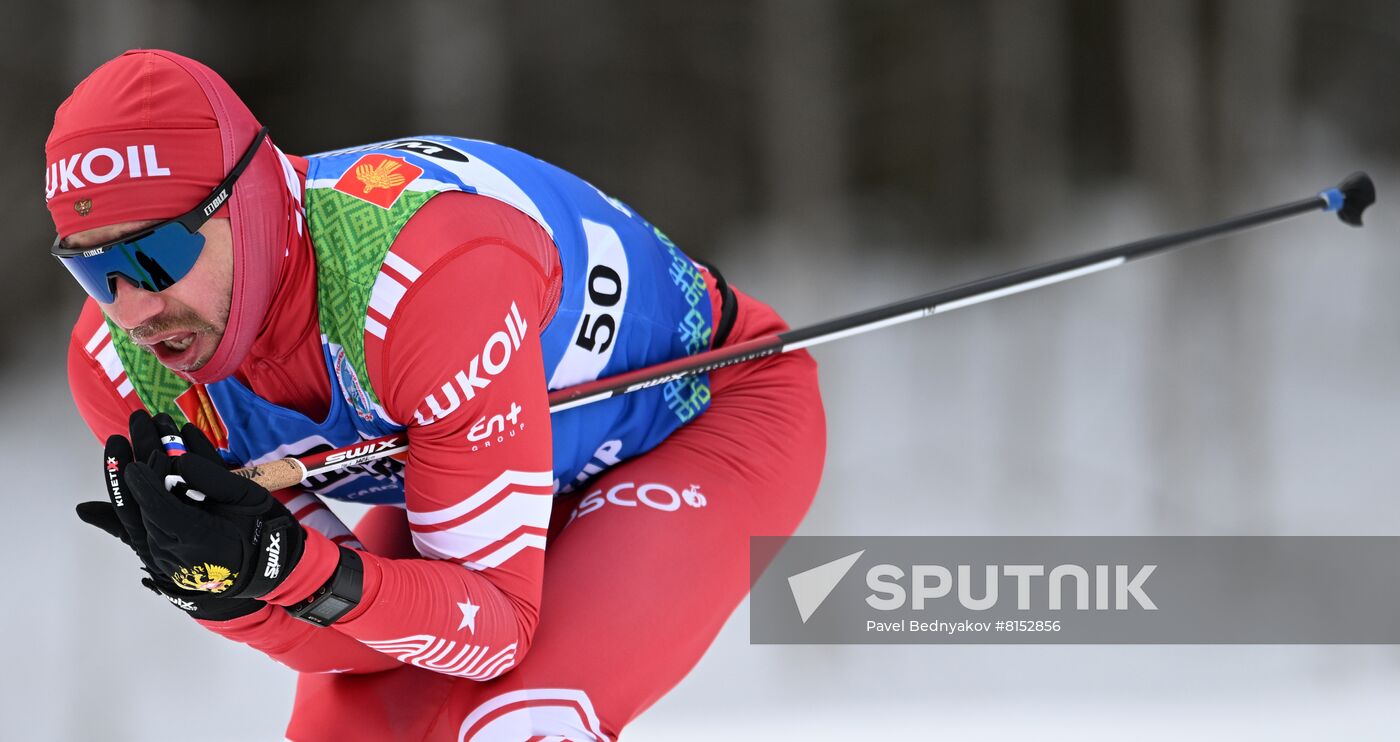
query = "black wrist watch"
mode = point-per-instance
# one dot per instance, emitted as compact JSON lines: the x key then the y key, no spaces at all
{"x":338,"y":596}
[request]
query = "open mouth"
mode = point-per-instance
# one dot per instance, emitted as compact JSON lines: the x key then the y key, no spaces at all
{"x":176,"y":352}
{"x":178,"y":344}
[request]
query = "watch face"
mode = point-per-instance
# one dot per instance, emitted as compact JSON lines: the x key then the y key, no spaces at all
{"x":332,"y":607}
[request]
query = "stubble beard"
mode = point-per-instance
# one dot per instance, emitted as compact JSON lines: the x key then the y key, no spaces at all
{"x":184,"y":320}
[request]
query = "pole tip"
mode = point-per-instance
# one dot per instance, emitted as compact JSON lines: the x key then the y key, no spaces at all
{"x":1358,"y":192}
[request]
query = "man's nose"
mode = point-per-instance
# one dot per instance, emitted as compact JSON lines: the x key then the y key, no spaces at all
{"x":133,"y":306}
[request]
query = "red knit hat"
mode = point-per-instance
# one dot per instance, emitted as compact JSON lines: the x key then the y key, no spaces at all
{"x":149,"y":134}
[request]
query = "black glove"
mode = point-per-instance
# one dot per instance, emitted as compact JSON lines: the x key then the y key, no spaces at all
{"x":121,"y":517}
{"x":237,"y":542}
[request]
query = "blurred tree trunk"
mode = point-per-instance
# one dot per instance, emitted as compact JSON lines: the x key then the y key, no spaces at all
{"x":1255,"y":124}
{"x":1028,"y":93}
{"x":459,"y":68}
{"x":803,"y":142}
{"x":1163,"y":57}
{"x":960,"y":123}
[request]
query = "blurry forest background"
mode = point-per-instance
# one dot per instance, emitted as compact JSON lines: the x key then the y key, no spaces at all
{"x":830,"y":155}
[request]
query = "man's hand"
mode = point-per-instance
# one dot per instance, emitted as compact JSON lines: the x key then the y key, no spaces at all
{"x":236,"y":542}
{"x":120,"y":517}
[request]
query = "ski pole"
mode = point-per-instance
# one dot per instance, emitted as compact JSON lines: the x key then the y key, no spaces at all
{"x":1349,"y":200}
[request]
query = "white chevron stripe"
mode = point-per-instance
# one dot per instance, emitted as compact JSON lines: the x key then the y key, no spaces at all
{"x":430,"y":653}
{"x":502,"y":661}
{"x":111,"y":362}
{"x":96,"y":337}
{"x":402,"y":266}
{"x":506,"y":551}
{"x":496,"y":667}
{"x":407,"y":648}
{"x":465,"y":658}
{"x":384,"y":298}
{"x":507,"y":478}
{"x":125,"y":387}
{"x":515,"y":510}
{"x":427,"y":657}
{"x":389,"y":288}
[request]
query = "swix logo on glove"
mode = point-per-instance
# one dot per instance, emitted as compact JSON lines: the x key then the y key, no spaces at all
{"x":101,"y":165}
{"x":274,"y":556}
{"x":490,"y":362}
{"x":181,"y":603}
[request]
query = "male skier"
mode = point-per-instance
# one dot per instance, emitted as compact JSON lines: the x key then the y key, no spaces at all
{"x":267,"y":305}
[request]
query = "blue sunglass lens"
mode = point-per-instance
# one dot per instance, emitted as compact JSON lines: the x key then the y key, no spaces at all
{"x":153,"y":262}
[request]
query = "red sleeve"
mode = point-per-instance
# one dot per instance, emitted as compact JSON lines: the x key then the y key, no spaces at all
{"x":459,"y":305}
{"x":105,"y":399}
{"x":299,"y":645}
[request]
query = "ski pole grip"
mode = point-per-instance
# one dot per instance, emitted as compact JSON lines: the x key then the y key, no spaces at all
{"x":275,"y":475}
{"x":1358,"y":192}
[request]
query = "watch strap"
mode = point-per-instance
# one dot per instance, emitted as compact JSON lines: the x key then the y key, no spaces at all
{"x":340,"y":595}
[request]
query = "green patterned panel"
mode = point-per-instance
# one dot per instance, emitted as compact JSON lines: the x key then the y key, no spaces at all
{"x":351,"y":238}
{"x":156,"y":385}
